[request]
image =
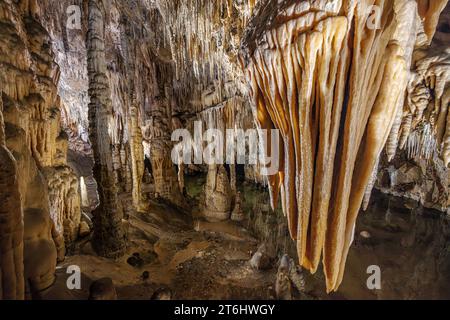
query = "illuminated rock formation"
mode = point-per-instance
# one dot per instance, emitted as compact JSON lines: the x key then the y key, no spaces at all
{"x":332,"y":77}
{"x":64,"y":201}
{"x":359,"y":90}
{"x":11,"y":226}
{"x":217,"y":194}
{"x":417,"y":148}
{"x":108,"y":229}
{"x":34,"y":154}
{"x":158,"y":134}
{"x":137,"y":158}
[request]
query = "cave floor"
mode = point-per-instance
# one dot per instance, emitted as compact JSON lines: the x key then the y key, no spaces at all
{"x":202,"y":260}
{"x":196,"y":260}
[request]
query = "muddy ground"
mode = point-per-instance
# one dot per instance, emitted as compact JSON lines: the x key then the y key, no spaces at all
{"x":195,"y":259}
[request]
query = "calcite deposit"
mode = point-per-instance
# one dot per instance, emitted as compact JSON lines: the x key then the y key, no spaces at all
{"x":33,"y":156}
{"x":91,"y":92}
{"x":332,"y":77}
{"x":217,"y":196}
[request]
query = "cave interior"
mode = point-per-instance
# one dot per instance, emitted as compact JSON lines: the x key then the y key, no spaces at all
{"x":315,"y":150}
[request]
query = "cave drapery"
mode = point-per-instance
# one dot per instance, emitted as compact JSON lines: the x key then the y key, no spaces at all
{"x":333,"y":80}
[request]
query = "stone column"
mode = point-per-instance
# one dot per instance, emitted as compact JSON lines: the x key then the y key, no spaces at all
{"x":166,"y":178}
{"x":108,"y":238}
{"x":137,"y":157}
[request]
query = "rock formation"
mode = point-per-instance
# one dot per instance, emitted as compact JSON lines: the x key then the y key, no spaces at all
{"x":166,"y":179}
{"x":108,"y":229}
{"x":359,"y":91}
{"x":237,"y":214}
{"x":33,"y":151}
{"x":11,"y":227}
{"x":332,"y":78}
{"x":217,"y":194}
{"x":418,"y":140}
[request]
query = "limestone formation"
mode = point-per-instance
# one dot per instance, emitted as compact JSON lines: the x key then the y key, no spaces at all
{"x":358,"y":89}
{"x":64,"y":202}
{"x":32,"y":149}
{"x":137,"y":158}
{"x":263,"y":258}
{"x":332,"y":79}
{"x":237,"y":214}
{"x":108,"y":229}
{"x":158,"y":133}
{"x":11,"y":226}
{"x":217,"y":194}
{"x":283,"y":287}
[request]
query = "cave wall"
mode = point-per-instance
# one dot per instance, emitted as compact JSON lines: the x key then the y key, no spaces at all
{"x":34,"y":150}
{"x":416,"y":161}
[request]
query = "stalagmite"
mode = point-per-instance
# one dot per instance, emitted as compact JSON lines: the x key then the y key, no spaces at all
{"x":176,"y":124}
{"x":336,"y":108}
{"x":217,"y":195}
{"x":65,"y":202}
{"x":158,"y":134}
{"x":137,"y":158}
{"x":108,"y":229}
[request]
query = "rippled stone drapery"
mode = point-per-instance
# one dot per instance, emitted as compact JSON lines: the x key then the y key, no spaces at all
{"x":108,"y":230}
{"x":35,"y":149}
{"x":11,"y":223}
{"x":332,"y":79}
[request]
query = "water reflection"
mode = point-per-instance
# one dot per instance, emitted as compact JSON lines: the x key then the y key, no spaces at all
{"x":410,"y":245}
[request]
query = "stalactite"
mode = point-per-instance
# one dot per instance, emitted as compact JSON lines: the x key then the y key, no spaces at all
{"x":210,"y":40}
{"x":405,"y":130}
{"x":425,"y":118}
{"x":446,"y":151}
{"x":108,"y":229}
{"x":393,"y":140}
{"x":298,"y":67}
